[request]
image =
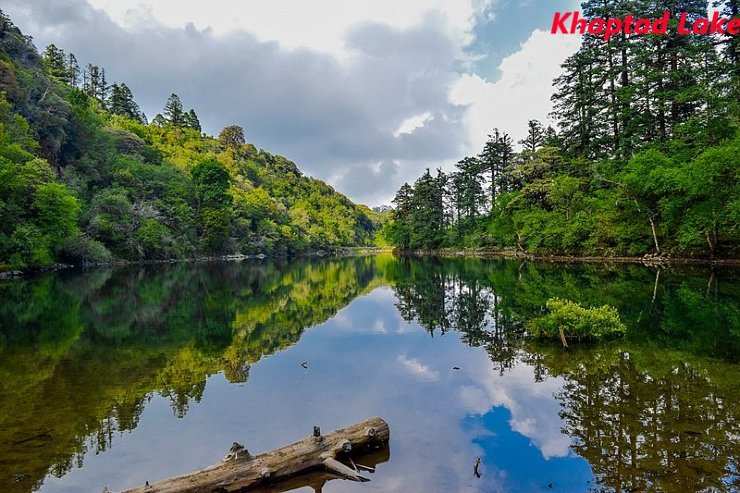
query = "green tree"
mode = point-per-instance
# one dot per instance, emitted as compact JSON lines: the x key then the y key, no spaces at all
{"x":211,"y":183}
{"x":159,"y":120}
{"x":427,"y":217}
{"x":467,"y":195}
{"x":535,"y":136}
{"x":496,"y":159}
{"x":173,"y":112}
{"x":55,"y":62}
{"x":72,"y":76}
{"x":121,"y":102}
{"x":707,"y":200}
{"x":94,"y":83}
{"x":231,"y":137}
{"x":648,"y":177}
{"x":399,"y":230}
{"x":190,"y":120}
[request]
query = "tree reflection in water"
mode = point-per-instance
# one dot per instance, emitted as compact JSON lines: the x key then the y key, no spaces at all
{"x":649,"y":413}
{"x":81,"y":354}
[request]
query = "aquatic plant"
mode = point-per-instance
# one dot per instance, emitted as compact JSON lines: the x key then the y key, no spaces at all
{"x":569,"y":320}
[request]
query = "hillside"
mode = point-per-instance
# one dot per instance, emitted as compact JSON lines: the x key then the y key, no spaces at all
{"x":85,"y":178}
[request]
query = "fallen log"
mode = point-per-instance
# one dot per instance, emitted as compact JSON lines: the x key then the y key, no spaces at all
{"x":334,"y":453}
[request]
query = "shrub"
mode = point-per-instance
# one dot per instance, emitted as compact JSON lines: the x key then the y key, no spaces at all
{"x":155,"y":240}
{"x":83,"y":250}
{"x":577,"y":322}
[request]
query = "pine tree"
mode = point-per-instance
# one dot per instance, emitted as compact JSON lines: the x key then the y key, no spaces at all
{"x":55,"y":61}
{"x":72,"y":76}
{"x":427,"y":224}
{"x":535,"y":136}
{"x":616,"y":95}
{"x":496,"y":160}
{"x":121,"y":102}
{"x":400,"y":233}
{"x":173,"y":112}
{"x":578,"y":103}
{"x":551,"y":138}
{"x":159,"y":120}
{"x":467,"y":191}
{"x":94,"y":83}
{"x":729,"y":72}
{"x":190,"y":120}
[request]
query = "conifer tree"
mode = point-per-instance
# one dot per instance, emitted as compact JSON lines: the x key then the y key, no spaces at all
{"x":496,"y":160}
{"x":535,"y":136}
{"x":73,"y":71}
{"x":400,"y":234}
{"x":121,"y":102}
{"x":94,"y":83}
{"x":173,"y":112}
{"x":467,"y":190}
{"x":190,"y":120}
{"x":427,"y":225}
{"x":55,"y":61}
{"x":159,"y":120}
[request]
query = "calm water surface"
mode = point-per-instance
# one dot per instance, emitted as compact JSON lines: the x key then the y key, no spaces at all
{"x":111,"y":377}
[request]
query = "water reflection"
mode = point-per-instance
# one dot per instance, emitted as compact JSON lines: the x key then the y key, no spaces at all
{"x":173,"y":358}
{"x":650,"y":421}
{"x":646,"y":418}
{"x":80,"y":355}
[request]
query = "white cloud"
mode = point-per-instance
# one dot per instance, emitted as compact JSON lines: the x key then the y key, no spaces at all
{"x":298,"y":24}
{"x":533,"y":409}
{"x":521,"y":94}
{"x":363,"y":94}
{"x":417,"y":368}
{"x":379,"y":327}
{"x":412,"y":123}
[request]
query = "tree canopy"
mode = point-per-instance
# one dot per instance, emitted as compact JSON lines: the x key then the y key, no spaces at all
{"x":645,"y":159}
{"x":85,"y":178}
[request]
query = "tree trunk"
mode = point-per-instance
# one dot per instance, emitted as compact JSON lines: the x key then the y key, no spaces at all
{"x":655,"y":233}
{"x":655,"y":287}
{"x":241,"y":472}
{"x":493,"y":187}
{"x":712,"y":240}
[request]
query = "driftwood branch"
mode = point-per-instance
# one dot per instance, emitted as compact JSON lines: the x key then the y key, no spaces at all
{"x":314,"y":456}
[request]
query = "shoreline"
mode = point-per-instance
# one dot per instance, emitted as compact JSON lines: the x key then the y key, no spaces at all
{"x":650,"y":261}
{"x":334,"y":252}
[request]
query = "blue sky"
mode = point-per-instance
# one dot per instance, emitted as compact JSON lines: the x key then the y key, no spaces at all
{"x":364,"y":94}
{"x":510,"y":25}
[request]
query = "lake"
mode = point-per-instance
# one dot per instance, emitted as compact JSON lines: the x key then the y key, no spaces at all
{"x":114,"y":376}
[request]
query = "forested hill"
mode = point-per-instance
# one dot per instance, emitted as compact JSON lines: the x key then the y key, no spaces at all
{"x":85,"y":178}
{"x":646,"y":158}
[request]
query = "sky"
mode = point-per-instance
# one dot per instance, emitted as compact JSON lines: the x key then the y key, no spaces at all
{"x":364,"y":94}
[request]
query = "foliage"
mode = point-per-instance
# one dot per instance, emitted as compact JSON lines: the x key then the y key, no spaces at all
{"x":576,"y":321}
{"x":84,"y":178}
{"x":36,"y":212}
{"x":644,"y":162}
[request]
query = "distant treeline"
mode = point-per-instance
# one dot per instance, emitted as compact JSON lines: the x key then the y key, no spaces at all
{"x":646,"y":159}
{"x":85,"y":178}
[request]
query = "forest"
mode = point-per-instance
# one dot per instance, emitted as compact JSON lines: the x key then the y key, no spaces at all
{"x":85,"y":178}
{"x":645,"y":159}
